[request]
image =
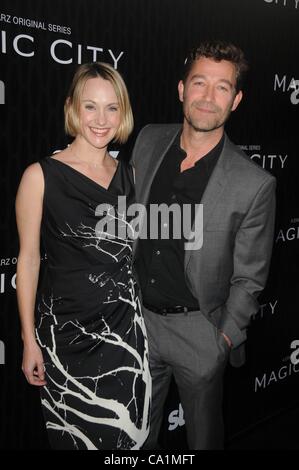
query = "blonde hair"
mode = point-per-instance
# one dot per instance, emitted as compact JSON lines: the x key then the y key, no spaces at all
{"x":72,"y":103}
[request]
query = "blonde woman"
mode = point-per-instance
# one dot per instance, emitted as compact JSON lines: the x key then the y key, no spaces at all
{"x":84,"y":337}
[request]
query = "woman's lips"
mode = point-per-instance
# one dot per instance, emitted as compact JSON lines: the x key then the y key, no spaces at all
{"x":99,"y":132}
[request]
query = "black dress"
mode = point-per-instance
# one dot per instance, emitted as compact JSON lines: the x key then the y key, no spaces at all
{"x":88,"y":318}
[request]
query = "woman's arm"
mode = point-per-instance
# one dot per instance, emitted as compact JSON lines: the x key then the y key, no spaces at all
{"x":29,"y":204}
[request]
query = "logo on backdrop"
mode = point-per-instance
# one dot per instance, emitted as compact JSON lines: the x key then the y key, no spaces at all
{"x":288,"y":85}
{"x":2,"y":353}
{"x":290,"y":233}
{"x":276,"y":376}
{"x":62,"y":51}
{"x":266,"y":310}
{"x":295,"y":93}
{"x":285,"y":3}
{"x":8,"y":274}
{"x":294,"y":357}
{"x":273,"y":161}
{"x":176,"y":418}
{"x":2,"y":92}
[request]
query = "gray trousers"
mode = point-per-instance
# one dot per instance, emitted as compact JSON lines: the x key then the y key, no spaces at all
{"x":188,"y":346}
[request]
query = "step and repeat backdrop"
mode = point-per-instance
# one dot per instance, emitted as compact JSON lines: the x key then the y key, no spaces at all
{"x":41,"y":44}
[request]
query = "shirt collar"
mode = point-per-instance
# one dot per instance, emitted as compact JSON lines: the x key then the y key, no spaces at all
{"x":206,"y":159}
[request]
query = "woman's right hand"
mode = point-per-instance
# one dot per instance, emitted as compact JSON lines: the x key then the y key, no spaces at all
{"x":33,"y":365}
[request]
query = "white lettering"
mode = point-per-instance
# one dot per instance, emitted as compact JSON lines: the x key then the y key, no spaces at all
{"x":115,"y":460}
{"x":106,"y":226}
{"x":2,"y":92}
{"x":164,"y":210}
{"x":79,"y":53}
{"x":2,"y":353}
{"x":292,"y":85}
{"x":53,"y":51}
{"x":16,"y":45}
{"x":263,"y":306}
{"x":3,"y":284}
{"x":282,"y":373}
{"x":295,"y":354}
{"x":282,"y":160}
{"x":95,"y":50}
{"x":5,"y":18}
{"x":259,"y":383}
{"x":279,"y":84}
{"x":276,"y":2}
{"x":273,"y":158}
{"x":13,"y":281}
{"x":196,"y":234}
{"x":176,"y":418}
{"x":272,"y":377}
{"x":295,"y":94}
{"x":138,"y":225}
{"x":3,"y":42}
{"x":114,"y":58}
{"x":291,"y":234}
{"x":273,"y":306}
{"x":291,"y":237}
{"x":280,"y":236}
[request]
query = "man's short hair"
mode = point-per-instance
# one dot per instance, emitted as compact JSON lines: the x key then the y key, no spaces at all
{"x":218,"y":50}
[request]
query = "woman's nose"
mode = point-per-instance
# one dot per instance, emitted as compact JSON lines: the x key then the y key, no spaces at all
{"x":101,"y":117}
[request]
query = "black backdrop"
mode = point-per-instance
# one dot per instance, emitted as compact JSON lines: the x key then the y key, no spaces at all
{"x":41,"y":44}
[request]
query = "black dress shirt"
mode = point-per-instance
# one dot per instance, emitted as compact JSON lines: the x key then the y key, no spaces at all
{"x":160,"y":262}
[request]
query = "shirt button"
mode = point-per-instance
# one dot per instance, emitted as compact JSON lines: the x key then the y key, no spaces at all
{"x":173,"y":197}
{"x":153,"y":281}
{"x":158,"y":252}
{"x":165,"y":225}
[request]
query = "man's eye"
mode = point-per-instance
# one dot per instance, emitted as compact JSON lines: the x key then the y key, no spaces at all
{"x":222,"y":88}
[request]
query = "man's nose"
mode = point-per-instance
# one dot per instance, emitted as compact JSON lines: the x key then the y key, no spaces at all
{"x":209,"y":93}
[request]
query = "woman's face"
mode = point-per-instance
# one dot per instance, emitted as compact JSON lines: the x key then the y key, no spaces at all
{"x":99,"y":112}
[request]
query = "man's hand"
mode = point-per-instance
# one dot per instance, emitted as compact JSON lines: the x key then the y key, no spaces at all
{"x":227,"y":339}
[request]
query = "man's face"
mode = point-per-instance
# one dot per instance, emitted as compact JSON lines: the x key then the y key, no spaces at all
{"x":209,"y":94}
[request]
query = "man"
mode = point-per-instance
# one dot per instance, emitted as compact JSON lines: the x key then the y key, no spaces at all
{"x":198,"y":302}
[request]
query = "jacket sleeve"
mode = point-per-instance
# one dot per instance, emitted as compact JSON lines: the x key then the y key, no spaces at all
{"x":252,"y":255}
{"x":142,"y":139}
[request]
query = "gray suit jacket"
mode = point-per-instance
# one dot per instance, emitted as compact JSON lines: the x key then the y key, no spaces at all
{"x":230,"y":270}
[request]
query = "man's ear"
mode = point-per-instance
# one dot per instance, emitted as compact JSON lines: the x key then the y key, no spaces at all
{"x":181,"y":90}
{"x":237,"y":100}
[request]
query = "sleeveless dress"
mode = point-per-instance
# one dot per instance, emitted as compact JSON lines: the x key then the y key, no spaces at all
{"x":88,"y":318}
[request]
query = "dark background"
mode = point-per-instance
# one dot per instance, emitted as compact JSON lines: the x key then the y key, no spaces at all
{"x":154,"y":36}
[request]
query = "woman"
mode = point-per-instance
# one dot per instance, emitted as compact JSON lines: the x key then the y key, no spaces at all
{"x":85,"y":345}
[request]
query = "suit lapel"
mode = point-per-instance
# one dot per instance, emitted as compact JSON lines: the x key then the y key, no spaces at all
{"x":213,"y":192}
{"x":144,"y":182}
